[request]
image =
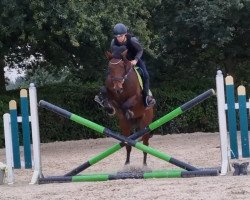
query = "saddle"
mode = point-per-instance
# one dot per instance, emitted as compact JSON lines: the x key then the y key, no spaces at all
{"x":139,"y":74}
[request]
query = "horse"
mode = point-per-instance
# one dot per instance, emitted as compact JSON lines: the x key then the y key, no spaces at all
{"x":125,"y":96}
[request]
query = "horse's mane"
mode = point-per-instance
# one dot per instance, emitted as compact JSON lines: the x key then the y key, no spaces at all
{"x":117,"y":51}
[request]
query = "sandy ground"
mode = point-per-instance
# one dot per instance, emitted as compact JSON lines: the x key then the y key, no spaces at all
{"x":199,"y":149}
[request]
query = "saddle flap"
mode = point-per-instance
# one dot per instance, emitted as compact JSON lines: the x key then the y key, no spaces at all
{"x":139,"y":74}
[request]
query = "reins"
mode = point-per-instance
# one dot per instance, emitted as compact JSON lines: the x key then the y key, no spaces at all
{"x":115,"y":63}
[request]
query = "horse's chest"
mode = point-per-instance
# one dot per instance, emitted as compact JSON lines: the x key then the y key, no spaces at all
{"x":121,"y":100}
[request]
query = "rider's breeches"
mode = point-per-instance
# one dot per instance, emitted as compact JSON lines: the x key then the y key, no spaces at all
{"x":143,"y":67}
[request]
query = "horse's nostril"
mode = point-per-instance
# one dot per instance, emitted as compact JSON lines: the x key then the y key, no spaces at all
{"x":120,"y":91}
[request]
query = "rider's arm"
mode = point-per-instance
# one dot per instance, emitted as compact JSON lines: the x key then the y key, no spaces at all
{"x":112,"y":45}
{"x":138,"y":47}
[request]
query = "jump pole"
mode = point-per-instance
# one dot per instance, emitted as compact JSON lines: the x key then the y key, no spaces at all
{"x":129,"y":140}
{"x":129,"y":175}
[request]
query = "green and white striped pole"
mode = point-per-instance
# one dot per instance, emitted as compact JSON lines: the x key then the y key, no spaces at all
{"x":129,"y":140}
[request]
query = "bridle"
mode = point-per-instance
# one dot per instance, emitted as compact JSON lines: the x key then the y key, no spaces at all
{"x":123,"y":78}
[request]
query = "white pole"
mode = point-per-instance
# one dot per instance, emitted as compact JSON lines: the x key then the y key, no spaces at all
{"x":35,"y":134}
{"x":8,"y":148}
{"x":222,"y":122}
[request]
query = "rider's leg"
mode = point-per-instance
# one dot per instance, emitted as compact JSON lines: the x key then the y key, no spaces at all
{"x":148,"y":100}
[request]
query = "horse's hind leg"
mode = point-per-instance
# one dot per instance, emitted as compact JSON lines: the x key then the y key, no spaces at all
{"x":145,"y":121}
{"x":145,"y":139}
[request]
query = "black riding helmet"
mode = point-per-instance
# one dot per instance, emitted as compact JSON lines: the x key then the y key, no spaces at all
{"x":120,"y":29}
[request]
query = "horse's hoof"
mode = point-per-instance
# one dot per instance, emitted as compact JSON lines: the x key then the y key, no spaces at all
{"x":129,"y":114}
{"x":126,"y":163}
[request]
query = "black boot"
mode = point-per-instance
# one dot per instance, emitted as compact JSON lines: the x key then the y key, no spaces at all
{"x":148,"y":100}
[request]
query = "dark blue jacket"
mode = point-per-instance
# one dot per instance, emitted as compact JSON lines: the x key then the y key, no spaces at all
{"x":135,"y":49}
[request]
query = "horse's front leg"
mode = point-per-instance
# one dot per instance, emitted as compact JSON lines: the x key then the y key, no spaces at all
{"x":126,"y":130}
{"x":128,"y":106}
{"x":128,"y":148}
{"x":145,"y":139}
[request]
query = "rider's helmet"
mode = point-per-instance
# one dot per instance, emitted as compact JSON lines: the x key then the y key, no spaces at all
{"x":120,"y":29}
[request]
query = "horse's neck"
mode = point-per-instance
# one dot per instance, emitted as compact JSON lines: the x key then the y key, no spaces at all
{"x":132,"y":80}
{"x":132,"y":85}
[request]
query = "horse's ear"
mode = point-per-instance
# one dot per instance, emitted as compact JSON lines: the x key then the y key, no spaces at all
{"x":108,"y":55}
{"x":124,"y":55}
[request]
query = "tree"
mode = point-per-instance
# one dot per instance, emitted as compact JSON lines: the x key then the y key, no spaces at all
{"x":69,"y":33}
{"x":197,"y":37}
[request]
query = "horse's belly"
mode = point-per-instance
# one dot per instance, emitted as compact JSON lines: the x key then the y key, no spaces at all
{"x":142,"y":111}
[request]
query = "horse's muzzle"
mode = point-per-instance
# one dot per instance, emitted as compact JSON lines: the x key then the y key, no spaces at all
{"x":119,"y":90}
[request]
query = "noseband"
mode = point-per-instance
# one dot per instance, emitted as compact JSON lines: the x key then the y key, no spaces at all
{"x":123,"y":78}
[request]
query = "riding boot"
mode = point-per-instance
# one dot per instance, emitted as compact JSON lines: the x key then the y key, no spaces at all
{"x":102,"y":99}
{"x":148,"y":100}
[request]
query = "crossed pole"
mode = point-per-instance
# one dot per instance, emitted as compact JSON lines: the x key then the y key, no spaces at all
{"x":131,"y":140}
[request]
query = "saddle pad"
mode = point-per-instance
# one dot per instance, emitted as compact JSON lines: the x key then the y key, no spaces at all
{"x":140,"y":79}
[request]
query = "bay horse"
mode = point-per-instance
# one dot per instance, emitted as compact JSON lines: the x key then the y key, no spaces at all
{"x":125,"y":96}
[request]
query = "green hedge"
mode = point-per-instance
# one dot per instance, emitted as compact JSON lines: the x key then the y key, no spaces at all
{"x":202,"y":117}
{"x":79,"y":100}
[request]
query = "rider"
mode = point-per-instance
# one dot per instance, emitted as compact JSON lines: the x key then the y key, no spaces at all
{"x":134,"y":54}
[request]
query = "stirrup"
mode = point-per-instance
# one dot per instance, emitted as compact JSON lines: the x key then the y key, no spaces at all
{"x":150,"y":101}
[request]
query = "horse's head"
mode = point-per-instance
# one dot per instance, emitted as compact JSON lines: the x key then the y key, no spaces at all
{"x":119,"y":69}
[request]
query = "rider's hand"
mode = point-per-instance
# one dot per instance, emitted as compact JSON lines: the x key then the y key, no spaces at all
{"x":133,"y":62}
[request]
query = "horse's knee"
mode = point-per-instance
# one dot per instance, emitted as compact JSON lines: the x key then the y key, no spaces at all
{"x":145,"y":139}
{"x":146,"y":143}
{"x":125,"y":106}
